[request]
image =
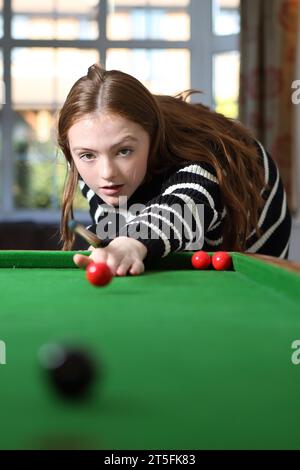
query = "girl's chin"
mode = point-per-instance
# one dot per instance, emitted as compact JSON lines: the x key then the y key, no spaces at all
{"x":114,"y":200}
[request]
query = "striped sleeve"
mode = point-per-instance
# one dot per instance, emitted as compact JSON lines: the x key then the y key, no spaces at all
{"x":187,"y":207}
{"x":274,"y":218}
{"x":95,"y":208}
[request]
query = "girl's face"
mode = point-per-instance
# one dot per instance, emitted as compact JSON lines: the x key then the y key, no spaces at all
{"x":110,"y":153}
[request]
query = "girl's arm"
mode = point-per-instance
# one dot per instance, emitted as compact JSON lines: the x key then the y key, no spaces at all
{"x":176,"y":220}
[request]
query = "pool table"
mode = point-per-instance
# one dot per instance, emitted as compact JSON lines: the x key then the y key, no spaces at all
{"x":189,"y":359}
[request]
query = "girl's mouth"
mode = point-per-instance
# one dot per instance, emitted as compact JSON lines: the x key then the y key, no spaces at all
{"x":111,"y":190}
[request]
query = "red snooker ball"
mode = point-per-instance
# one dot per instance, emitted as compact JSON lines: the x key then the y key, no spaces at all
{"x":221,"y":260}
{"x":98,"y":274}
{"x":201,"y":260}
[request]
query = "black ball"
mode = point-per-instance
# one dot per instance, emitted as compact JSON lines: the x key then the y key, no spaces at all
{"x":71,"y":370}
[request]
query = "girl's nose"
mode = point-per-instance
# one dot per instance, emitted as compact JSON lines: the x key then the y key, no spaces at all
{"x":107,"y":170}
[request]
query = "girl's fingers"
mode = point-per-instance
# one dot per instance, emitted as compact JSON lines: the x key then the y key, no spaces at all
{"x":113,"y":264}
{"x":137,"y":268}
{"x":122,"y":270}
{"x":81,"y":260}
{"x":98,"y":256}
{"x":101,"y":255}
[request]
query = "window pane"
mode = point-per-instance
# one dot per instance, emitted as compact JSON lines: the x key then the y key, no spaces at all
{"x":42,"y":77}
{"x":2,"y":86}
{"x":1,"y":161}
{"x":226,"y":17}
{"x":226,"y":69}
{"x":35,"y":179}
{"x":39,"y":168}
{"x":2,"y":98}
{"x":1,"y":18}
{"x":55,"y":19}
{"x":150,"y":3}
{"x":141,"y":19}
{"x":165,"y":71}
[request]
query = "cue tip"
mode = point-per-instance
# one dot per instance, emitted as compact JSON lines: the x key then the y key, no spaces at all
{"x":72,"y":224}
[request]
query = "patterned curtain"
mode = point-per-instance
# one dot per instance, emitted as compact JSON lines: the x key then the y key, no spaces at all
{"x":268,"y":67}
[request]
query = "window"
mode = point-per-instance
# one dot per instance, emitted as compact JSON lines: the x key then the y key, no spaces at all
{"x":54,"y":19}
{"x":40,"y":81}
{"x":168,"y":20}
{"x":226,"y":57}
{"x":170,"y":45}
{"x":226,"y":85}
{"x":152,"y":66}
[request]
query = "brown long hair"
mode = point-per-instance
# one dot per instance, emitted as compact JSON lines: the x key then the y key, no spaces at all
{"x":178,"y":130}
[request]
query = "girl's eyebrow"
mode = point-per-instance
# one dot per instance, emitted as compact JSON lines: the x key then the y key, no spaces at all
{"x":82,"y":148}
{"x":126,"y":137}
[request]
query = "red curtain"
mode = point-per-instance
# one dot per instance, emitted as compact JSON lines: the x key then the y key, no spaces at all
{"x":268,"y":67}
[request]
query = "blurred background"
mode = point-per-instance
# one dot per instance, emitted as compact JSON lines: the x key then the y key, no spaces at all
{"x":242,"y":54}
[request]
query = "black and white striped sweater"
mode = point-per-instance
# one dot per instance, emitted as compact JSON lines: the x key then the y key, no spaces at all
{"x":193,"y":185}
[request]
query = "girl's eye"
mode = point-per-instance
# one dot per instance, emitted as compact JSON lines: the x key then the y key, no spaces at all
{"x":86,"y":156}
{"x":125,"y":152}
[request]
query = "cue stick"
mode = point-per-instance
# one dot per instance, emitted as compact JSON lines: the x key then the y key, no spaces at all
{"x":84,"y":233}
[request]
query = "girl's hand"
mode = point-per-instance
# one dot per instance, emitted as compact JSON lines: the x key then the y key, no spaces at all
{"x":123,"y":255}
